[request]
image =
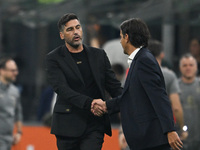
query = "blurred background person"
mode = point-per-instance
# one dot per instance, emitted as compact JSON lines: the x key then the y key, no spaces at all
{"x":115,"y":54}
{"x":10,"y":107}
{"x":172,"y":87}
{"x":122,"y":140}
{"x":119,"y":71}
{"x":190,"y":98}
{"x":46,"y":105}
{"x":194,"y":49}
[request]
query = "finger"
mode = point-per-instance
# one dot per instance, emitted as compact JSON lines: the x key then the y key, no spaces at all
{"x":179,"y":145}
{"x":180,"y":142}
{"x":176,"y":147}
{"x":99,"y":112}
{"x":172,"y":144}
{"x":98,"y":108}
{"x":92,"y":104}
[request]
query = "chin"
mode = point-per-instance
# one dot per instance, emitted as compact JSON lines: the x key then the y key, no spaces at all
{"x":125,"y":53}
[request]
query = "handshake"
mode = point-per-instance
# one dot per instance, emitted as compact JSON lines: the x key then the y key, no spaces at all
{"x":98,"y":107}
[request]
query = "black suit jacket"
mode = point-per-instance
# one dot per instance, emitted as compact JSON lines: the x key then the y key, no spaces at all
{"x":146,"y":113}
{"x":69,"y":115}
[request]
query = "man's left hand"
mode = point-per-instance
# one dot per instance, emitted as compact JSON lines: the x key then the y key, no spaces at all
{"x":174,"y":140}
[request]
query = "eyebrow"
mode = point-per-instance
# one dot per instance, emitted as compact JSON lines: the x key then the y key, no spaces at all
{"x":72,"y":26}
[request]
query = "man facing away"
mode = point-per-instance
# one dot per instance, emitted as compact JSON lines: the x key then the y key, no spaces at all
{"x":10,"y":107}
{"x":190,"y":98}
{"x":145,"y":109}
{"x":79,"y":74}
{"x":172,"y":86}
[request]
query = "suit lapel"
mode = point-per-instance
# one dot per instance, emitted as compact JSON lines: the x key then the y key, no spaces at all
{"x":71,"y":63}
{"x":131,"y":69}
{"x":129,"y":75}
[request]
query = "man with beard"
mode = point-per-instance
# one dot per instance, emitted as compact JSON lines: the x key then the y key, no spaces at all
{"x":79,"y":74}
{"x":190,"y":93}
{"x":10,"y":107}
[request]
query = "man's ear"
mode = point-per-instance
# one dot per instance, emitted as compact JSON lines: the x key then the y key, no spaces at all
{"x":126,"y":38}
{"x":61,"y":36}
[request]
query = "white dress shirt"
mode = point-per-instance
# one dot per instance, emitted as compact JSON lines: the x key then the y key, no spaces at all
{"x":132,"y":56}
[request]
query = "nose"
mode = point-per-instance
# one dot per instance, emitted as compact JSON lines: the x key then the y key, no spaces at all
{"x":75,"y":31}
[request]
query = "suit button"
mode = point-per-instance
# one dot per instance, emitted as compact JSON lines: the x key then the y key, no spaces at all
{"x":67,"y":110}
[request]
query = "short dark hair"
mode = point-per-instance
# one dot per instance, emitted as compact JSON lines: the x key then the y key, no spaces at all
{"x":187,"y":55}
{"x":64,"y":19}
{"x":155,"y":47}
{"x":137,"y":31}
{"x":3,"y":62}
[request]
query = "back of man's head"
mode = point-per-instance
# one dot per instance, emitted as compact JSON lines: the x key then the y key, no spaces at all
{"x":137,"y":31}
{"x":155,"y":47}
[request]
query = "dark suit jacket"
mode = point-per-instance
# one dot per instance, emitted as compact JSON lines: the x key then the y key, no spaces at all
{"x":146,"y":113}
{"x":69,"y":115}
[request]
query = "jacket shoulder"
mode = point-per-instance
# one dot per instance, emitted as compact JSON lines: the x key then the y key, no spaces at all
{"x":147,"y":56}
{"x":55,"y":51}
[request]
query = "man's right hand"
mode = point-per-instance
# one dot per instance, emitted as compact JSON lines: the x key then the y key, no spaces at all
{"x":98,"y":107}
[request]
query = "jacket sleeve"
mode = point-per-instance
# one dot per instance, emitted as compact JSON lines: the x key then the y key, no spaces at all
{"x":152,"y":81}
{"x":113,"y":105}
{"x":113,"y":86}
{"x":57,"y":80}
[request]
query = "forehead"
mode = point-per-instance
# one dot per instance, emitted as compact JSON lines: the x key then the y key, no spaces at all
{"x":189,"y":60}
{"x":72,"y":23}
{"x":11,"y":64}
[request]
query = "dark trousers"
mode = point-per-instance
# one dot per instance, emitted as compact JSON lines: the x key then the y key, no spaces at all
{"x":89,"y":141}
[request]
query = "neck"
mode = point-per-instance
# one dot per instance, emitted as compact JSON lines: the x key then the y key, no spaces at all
{"x":159,"y":61}
{"x":74,"y":50}
{"x":188,"y":80}
{"x":3,"y":80}
{"x":131,"y":50}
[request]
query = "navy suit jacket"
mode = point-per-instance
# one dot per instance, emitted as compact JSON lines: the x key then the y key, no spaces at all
{"x":146,"y":112}
{"x":69,"y":115}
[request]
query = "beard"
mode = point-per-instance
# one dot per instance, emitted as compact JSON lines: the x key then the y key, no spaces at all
{"x":10,"y":80}
{"x":74,"y":44}
{"x":188,"y":77}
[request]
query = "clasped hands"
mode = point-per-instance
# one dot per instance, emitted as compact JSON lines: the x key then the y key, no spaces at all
{"x":98,"y":107}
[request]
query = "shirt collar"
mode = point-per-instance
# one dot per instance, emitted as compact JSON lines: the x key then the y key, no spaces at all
{"x":132,"y":55}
